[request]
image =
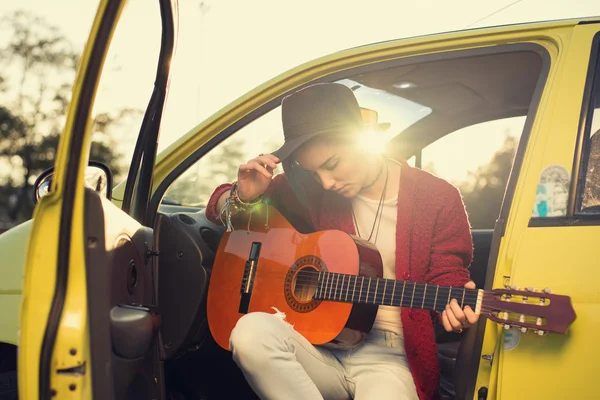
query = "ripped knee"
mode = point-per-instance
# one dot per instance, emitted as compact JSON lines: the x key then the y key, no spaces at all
{"x":256,"y":327}
{"x":281,"y":315}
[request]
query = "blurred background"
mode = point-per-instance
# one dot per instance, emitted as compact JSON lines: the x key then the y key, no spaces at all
{"x":225,"y":49}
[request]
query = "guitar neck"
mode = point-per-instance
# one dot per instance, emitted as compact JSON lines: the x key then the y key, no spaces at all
{"x":388,"y":292}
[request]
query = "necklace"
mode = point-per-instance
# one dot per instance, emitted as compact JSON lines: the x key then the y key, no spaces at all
{"x":376,"y":176}
{"x":379,"y":212}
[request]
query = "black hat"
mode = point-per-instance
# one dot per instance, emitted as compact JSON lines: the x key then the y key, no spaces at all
{"x":315,"y":110}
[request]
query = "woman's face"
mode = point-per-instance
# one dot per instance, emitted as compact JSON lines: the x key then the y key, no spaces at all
{"x":339,"y":167}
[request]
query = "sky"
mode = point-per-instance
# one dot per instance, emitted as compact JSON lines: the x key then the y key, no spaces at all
{"x":228,"y":47}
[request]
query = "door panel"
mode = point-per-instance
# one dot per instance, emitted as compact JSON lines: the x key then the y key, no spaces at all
{"x":54,"y":339}
{"x":123,"y":321}
{"x":89,"y":321}
{"x":557,"y":252}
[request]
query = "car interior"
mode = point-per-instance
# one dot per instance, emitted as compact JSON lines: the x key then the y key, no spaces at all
{"x":461,"y":91}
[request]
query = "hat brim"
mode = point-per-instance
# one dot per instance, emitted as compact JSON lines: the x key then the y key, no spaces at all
{"x":290,"y":146}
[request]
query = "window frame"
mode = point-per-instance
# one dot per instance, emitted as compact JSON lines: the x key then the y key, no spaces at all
{"x":175,"y":173}
{"x":419,"y":154}
{"x":574,"y":216}
{"x":582,"y":156}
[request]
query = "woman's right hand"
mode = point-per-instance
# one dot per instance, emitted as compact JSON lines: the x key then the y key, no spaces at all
{"x":255,"y":176}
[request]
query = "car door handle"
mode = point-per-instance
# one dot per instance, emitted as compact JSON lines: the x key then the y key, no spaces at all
{"x":132,"y":329}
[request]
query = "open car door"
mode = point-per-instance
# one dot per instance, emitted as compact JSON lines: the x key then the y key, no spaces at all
{"x":88,"y":320}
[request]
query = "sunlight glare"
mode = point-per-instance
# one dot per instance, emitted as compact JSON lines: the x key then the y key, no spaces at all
{"x":373,"y":142}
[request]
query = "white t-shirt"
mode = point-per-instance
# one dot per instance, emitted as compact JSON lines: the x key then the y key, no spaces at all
{"x":388,"y":317}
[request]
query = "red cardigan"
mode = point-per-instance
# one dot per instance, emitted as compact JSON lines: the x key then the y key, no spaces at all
{"x":433,"y":245}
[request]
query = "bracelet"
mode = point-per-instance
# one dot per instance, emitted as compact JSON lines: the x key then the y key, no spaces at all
{"x":238,"y":202}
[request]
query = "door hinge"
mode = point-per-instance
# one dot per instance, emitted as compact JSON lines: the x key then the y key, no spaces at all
{"x":488,"y":357}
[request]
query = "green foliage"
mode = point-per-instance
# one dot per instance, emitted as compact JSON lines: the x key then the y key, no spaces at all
{"x":483,"y":192}
{"x":196,"y":184}
{"x":591,"y":194}
{"x":39,"y":66}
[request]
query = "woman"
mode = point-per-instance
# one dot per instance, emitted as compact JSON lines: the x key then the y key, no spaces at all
{"x":417,"y":222}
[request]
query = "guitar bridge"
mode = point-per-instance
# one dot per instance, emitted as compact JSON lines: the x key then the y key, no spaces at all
{"x":249,"y":274}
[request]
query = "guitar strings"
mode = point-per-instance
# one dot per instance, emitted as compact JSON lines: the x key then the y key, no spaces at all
{"x":514,"y":317}
{"x":337,"y":292}
{"x":338,"y":288}
{"x":484,"y":308}
{"x":338,"y":295}
{"x":329,"y":285}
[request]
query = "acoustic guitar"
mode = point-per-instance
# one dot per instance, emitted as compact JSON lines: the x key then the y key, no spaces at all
{"x":328,"y":282}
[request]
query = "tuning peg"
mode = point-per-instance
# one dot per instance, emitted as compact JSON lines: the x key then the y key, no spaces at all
{"x":506,"y":326}
{"x":523,"y":329}
{"x":529,"y":289}
{"x":514,"y":287}
{"x":547,"y":290}
{"x":541,"y":332}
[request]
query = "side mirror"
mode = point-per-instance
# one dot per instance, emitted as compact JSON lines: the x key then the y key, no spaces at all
{"x":97,"y":177}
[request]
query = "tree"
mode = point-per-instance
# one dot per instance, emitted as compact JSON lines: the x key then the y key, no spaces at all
{"x":220,"y":165}
{"x":484,"y":191}
{"x":591,"y":193}
{"x":11,"y":128}
{"x":42,"y":65}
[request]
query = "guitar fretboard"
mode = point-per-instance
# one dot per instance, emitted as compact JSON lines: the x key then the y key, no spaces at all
{"x":361,"y":289}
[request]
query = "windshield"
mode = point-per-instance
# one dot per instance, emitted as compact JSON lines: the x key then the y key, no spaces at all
{"x":397,"y":111}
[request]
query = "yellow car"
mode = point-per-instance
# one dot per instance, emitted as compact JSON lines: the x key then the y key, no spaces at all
{"x":106,"y":298}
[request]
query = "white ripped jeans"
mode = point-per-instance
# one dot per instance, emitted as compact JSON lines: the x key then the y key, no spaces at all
{"x":279,"y":363}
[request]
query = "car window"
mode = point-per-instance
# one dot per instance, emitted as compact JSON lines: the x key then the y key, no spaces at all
{"x":385,"y":115}
{"x":589,"y":196}
{"x":477,"y":159}
{"x":125,"y":86}
{"x":194,"y":186}
{"x":465,"y":113}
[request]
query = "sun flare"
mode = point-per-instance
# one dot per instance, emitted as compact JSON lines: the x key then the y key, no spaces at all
{"x":372,"y":141}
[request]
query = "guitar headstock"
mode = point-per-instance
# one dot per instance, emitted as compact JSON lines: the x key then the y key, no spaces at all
{"x":529,"y":309}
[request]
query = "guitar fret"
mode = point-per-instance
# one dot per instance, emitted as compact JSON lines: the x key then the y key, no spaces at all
{"x":320,"y":284}
{"x":384,"y":292}
{"x":362,"y":281}
{"x":332,"y":289}
{"x":335,"y":286}
{"x":402,"y":295}
{"x":347,"y":288}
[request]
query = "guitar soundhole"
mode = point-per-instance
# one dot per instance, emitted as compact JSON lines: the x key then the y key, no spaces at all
{"x":301,"y":283}
{"x":304,"y":284}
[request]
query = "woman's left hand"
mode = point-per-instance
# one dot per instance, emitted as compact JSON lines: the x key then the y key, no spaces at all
{"x":455,"y":319}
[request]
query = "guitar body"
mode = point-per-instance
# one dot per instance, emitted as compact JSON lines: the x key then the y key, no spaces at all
{"x":276,"y":283}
